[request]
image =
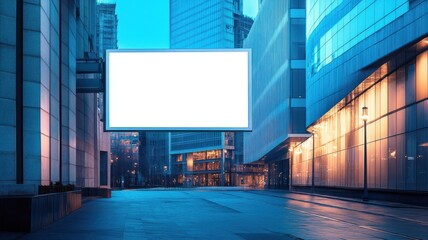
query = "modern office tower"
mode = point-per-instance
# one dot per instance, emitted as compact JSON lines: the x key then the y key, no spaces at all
{"x":49,"y":133}
{"x":203,"y":24}
{"x":370,"y":54}
{"x":277,"y":41}
{"x":106,"y":26}
{"x":242,"y":26}
{"x":204,"y":158}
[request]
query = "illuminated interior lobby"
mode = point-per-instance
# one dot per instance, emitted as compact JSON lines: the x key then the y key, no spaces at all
{"x":396,"y":98}
{"x":198,"y":168}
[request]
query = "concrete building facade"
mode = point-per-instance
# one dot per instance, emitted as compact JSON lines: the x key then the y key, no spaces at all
{"x":49,"y":132}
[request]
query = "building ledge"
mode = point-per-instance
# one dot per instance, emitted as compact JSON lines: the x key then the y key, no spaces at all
{"x":18,"y":189}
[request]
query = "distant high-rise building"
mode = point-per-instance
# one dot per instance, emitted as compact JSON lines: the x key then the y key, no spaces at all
{"x":125,"y":159}
{"x":203,"y":24}
{"x":205,"y":158}
{"x":106,"y":26}
{"x":277,"y":40}
{"x":242,"y":25}
{"x":154,"y":158}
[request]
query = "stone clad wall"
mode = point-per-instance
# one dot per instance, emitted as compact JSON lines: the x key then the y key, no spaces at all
{"x":53,"y":35}
{"x":7,"y":91}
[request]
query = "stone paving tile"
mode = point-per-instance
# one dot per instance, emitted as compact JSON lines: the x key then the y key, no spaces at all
{"x":237,"y":214}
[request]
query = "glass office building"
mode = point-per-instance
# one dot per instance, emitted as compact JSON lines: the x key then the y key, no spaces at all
{"x":202,"y":24}
{"x":366,"y":54}
{"x":277,"y":40}
{"x":205,"y":158}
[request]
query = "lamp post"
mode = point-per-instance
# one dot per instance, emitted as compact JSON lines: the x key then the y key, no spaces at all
{"x":165,"y":171}
{"x":313,"y":162}
{"x":290,"y":179}
{"x":365,"y":116}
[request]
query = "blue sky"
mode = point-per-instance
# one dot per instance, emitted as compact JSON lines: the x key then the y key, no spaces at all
{"x":144,"y":24}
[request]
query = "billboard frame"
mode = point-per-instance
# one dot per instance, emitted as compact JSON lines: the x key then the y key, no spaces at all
{"x":106,"y":107}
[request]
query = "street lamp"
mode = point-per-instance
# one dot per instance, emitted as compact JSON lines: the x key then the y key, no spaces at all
{"x":365,"y":117}
{"x":290,"y":179}
{"x":165,"y":171}
{"x":313,"y":162}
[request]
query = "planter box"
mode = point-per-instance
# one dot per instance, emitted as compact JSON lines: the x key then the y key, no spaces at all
{"x":29,"y":213}
{"x":96,"y":192}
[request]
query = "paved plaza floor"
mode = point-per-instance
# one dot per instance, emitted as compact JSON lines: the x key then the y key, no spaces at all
{"x":224,"y":214}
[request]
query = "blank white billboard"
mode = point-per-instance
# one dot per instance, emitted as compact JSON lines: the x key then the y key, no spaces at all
{"x":170,"y":90}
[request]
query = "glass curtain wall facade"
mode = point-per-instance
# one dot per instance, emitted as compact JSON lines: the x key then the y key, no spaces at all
{"x":277,"y":40}
{"x":397,"y":134}
{"x":204,"y":25}
{"x":345,"y":32}
{"x":366,"y":54}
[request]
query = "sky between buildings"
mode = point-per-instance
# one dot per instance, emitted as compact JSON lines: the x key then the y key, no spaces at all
{"x":144,"y":24}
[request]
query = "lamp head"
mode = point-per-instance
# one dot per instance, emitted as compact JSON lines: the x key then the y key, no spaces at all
{"x":365,"y":114}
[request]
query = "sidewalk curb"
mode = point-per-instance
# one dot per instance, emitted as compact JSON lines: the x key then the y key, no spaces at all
{"x":355,"y":200}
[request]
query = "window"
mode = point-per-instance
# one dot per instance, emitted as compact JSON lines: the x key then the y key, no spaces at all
{"x":297,"y":39}
{"x":421,"y":160}
{"x":297,"y":3}
{"x":214,"y":154}
{"x":179,"y":158}
{"x":211,"y":166}
{"x":199,"y":156}
{"x":410,"y":161}
{"x":410,"y":83}
{"x":401,"y":88}
{"x":421,"y":76}
{"x":392,"y":163}
{"x":298,"y":83}
{"x":103,"y":168}
{"x":199,"y":167}
{"x":298,"y":120}
{"x":392,"y":92}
